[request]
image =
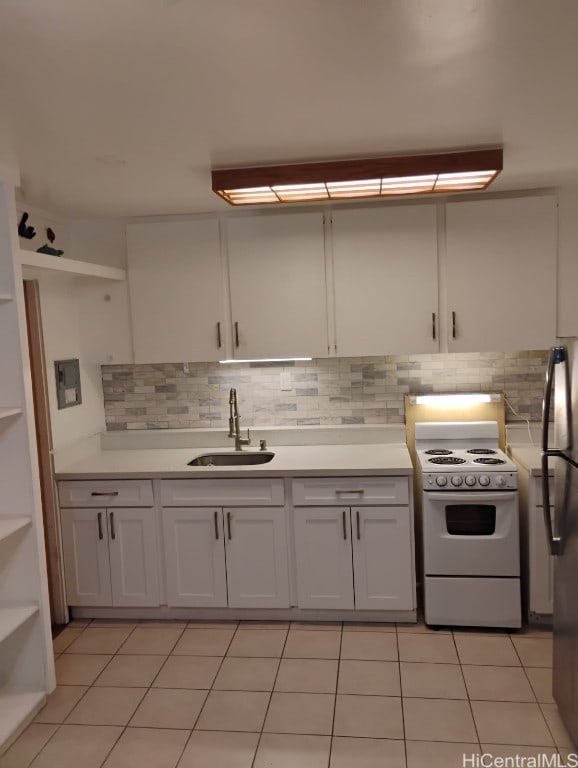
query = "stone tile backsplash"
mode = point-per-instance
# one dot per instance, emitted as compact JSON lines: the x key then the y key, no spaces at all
{"x":354,"y":390}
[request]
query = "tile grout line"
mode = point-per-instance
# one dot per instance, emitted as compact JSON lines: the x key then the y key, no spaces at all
{"x":281,"y":657}
{"x":471,"y":709}
{"x":401,"y":695}
{"x":187,"y":741}
{"x":332,"y":734}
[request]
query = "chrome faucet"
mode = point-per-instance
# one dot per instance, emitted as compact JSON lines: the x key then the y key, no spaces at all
{"x":234,"y":426}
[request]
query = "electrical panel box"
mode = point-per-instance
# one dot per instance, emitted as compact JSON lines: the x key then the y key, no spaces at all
{"x":68,"y":390}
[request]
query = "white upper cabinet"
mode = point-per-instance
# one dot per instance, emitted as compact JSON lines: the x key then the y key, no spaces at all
{"x":501,"y":274}
{"x":385,"y":276}
{"x":176,"y":291}
{"x":277,"y":281}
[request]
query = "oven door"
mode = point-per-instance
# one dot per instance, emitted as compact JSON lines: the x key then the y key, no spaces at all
{"x":471,"y":534}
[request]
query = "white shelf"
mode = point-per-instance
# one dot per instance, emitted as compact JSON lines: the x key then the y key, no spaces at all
{"x":5,"y":297}
{"x":7,"y":412}
{"x":16,"y":710}
{"x":70,"y":266}
{"x":9,"y":525}
{"x":12,"y":618}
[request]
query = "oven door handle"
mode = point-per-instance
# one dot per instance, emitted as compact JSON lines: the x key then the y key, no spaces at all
{"x":478,"y":496}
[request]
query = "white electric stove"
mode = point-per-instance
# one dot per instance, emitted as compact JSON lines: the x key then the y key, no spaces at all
{"x":471,"y":552}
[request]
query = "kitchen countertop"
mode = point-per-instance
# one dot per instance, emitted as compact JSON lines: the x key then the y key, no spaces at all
{"x":289,"y":461}
{"x":528,"y":456}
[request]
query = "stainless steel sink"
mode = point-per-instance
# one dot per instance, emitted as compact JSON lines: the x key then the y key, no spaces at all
{"x":232,"y":459}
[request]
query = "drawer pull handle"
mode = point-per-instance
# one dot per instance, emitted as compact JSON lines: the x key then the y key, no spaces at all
{"x":349,"y":490}
{"x":358,"y":525}
{"x":104,"y":493}
{"x":229,"y":526}
{"x":433,"y":325}
{"x":112,"y":531}
{"x":344,"y":525}
{"x":454,"y":325}
{"x":216,"y":525}
{"x":219,"y":344}
{"x":99,"y":520}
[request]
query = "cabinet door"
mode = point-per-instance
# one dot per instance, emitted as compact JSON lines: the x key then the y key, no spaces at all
{"x":541,"y":565}
{"x":133,"y":556}
{"x":86,"y":562}
{"x":386,"y":285}
{"x":195,"y":557}
{"x":383,"y":558}
{"x":323,"y":553}
{"x":256,"y":550}
{"x":176,"y":291}
{"x":277,"y":279}
{"x":501,"y":274}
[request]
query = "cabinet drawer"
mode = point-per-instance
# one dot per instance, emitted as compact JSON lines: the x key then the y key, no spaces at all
{"x":105,"y":493}
{"x":315,"y":491}
{"x":222,"y":492}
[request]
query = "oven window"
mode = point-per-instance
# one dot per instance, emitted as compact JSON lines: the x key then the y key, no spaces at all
{"x":470,"y":519}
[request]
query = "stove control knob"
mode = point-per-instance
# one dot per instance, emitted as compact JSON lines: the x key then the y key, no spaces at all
{"x":441,"y":480}
{"x":500,"y":481}
{"x":484,"y":480}
{"x":470,"y":480}
{"x":457,"y":480}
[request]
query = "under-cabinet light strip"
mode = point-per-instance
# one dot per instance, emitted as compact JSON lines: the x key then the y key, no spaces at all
{"x":268,"y":360}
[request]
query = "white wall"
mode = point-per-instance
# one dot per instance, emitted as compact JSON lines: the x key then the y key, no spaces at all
{"x":63,"y":339}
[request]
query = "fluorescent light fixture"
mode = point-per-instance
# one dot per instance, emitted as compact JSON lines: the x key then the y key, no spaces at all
{"x":454,"y":401}
{"x":267,"y":360}
{"x":458,"y":171}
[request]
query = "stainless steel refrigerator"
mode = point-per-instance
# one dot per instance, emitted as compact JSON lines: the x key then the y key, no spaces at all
{"x":560,"y":453}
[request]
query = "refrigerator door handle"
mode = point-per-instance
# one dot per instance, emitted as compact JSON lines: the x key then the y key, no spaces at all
{"x":557,"y":355}
{"x":553,"y":539}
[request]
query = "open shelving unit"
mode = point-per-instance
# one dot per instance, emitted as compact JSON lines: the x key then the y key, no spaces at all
{"x":26,"y":658}
{"x":5,"y":413}
{"x":11,"y":525}
{"x":45,"y":261}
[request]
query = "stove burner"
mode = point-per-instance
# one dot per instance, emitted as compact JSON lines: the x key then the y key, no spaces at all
{"x":488,"y":460}
{"x":482,"y":451}
{"x":438,"y":452}
{"x":446,"y":460}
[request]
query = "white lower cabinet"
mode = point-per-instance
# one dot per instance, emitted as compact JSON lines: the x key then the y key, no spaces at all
{"x":195,"y":557}
{"x":233,"y":556}
{"x":354,"y":557}
{"x":382,"y":558}
{"x":110,"y":557}
{"x":256,"y":552}
{"x":323,"y":556}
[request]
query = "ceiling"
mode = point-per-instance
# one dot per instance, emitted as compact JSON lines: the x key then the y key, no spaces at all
{"x":122,"y":107}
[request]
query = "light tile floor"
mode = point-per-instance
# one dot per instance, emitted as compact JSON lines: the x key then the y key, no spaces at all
{"x":274,"y":695}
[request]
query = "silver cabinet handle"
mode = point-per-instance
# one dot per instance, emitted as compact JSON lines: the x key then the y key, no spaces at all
{"x":104,"y":493}
{"x":433,"y":325}
{"x":358,"y":525}
{"x":229,"y":526}
{"x":112,"y":531}
{"x":216,"y":525}
{"x":554,"y":541}
{"x":99,"y":521}
{"x":343,"y":513}
{"x":339,"y":491}
{"x":236,"y":334}
{"x":453,"y":325}
{"x":219,"y":344}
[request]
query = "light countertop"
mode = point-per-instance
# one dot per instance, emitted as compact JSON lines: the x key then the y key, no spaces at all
{"x":528,"y":456}
{"x":289,"y":461}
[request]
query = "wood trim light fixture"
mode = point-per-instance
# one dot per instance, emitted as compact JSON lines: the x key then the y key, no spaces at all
{"x":352,"y":179}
